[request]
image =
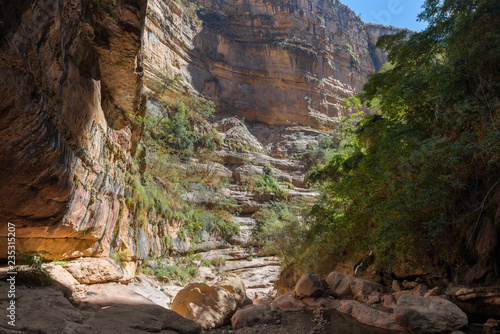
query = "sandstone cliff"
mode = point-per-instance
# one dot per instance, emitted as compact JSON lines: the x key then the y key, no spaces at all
{"x":71,"y":82}
{"x":279,"y":62}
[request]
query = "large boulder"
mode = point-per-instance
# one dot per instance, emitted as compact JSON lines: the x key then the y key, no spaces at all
{"x":310,"y":285}
{"x":428,"y":315}
{"x":234,"y":285}
{"x":343,"y":286}
{"x":209,"y":306}
{"x":252,"y":315}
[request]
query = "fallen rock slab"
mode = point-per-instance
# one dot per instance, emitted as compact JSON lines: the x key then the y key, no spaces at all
{"x":428,"y":315}
{"x":89,"y":270}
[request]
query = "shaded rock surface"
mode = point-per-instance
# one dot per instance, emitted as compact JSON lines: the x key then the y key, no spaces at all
{"x":428,"y":315}
{"x":310,"y":285}
{"x":46,"y":310}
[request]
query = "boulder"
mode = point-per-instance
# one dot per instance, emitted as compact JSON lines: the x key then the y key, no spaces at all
{"x":397,"y":286}
{"x":342,"y":285}
{"x":310,"y":285}
{"x":389,"y":301}
{"x":436,"y":291}
{"x":252,"y":315}
{"x":428,"y":315}
{"x":234,"y":285}
{"x":408,"y":285}
{"x":368,"y":315}
{"x":209,"y":306}
{"x":89,"y":270}
{"x":492,"y":326}
{"x":375,"y":297}
{"x":288,"y":303}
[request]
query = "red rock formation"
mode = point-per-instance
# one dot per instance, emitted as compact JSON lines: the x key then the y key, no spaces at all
{"x":280,"y":62}
{"x":70,"y":79}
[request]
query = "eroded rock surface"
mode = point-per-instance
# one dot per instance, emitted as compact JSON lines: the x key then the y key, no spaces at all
{"x":428,"y":315}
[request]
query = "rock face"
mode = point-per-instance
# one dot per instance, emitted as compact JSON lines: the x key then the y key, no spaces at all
{"x":70,"y":95}
{"x":428,"y":315}
{"x":70,"y":83}
{"x":209,"y":306}
{"x":280,"y":62}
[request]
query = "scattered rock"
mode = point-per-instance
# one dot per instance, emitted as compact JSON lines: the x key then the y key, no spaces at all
{"x":288,"y":303}
{"x":342,"y":285}
{"x":375,"y":297}
{"x":479,"y":301}
{"x":492,"y":326}
{"x":368,"y":315}
{"x":389,"y":301}
{"x":410,"y":285}
{"x":436,"y":291}
{"x":397,"y":286}
{"x":310,"y":285}
{"x":428,"y":315}
{"x":419,"y":290}
{"x":254,"y":314}
{"x":209,"y":306}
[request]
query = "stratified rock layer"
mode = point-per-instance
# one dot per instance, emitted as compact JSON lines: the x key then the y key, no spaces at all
{"x":70,"y":83}
{"x":280,"y":62}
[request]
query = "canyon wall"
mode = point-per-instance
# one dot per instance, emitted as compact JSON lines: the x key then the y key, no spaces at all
{"x":71,"y":89}
{"x":277,"y":62}
{"x":70,"y":83}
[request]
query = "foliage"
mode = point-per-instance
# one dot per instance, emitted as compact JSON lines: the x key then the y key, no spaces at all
{"x":318,"y":153}
{"x":108,"y":6}
{"x":267,"y":184}
{"x":122,"y":256}
{"x":416,"y":181}
{"x":34,"y":274}
{"x":174,"y":176}
{"x":280,"y":226}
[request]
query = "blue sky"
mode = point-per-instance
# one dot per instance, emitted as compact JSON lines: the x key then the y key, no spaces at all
{"x":397,"y":13}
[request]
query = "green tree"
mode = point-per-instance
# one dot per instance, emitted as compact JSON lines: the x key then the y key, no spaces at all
{"x":419,"y":180}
